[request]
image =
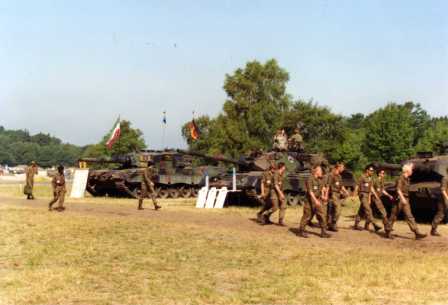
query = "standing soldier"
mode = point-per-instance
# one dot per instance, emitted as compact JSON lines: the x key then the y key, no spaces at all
{"x":277,"y":197}
{"x":314,"y":191}
{"x":442,"y":206}
{"x":147,"y":184}
{"x":403,"y":204}
{"x":59,"y":190}
{"x":295,"y":142}
{"x":380,"y":190}
{"x":267,"y":182}
{"x":30,"y":172}
{"x":337,"y":192}
{"x":280,"y":141}
{"x":365,"y":191}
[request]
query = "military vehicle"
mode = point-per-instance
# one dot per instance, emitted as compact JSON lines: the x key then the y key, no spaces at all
{"x":250,"y":170}
{"x":429,"y":169}
{"x":176,"y":174}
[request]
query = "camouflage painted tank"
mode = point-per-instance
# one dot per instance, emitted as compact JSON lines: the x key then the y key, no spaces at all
{"x":298,"y":169}
{"x":176,"y":174}
{"x":429,"y":169}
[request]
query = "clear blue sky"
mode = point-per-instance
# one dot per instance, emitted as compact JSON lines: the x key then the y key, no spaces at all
{"x":69,"y":68}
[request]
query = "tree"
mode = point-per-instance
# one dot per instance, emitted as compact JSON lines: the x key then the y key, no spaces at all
{"x":434,"y":136}
{"x":390,"y":134}
{"x":131,"y":140}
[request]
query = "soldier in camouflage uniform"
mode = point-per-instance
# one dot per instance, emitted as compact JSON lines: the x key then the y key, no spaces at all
{"x":277,"y":197}
{"x":295,"y":142}
{"x":314,"y":191}
{"x":403,"y":205}
{"x":365,"y":191}
{"x":280,"y":141}
{"x":335,"y":192}
{"x":267,"y":182}
{"x":59,"y":190}
{"x":379,"y":190}
{"x":147,"y":184}
{"x":442,"y":206}
{"x":30,"y":172}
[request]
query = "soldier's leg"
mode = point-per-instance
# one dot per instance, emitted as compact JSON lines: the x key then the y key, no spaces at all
{"x":282,"y":213}
{"x":336,"y":214}
{"x":61,"y":200}
{"x":306,"y":217}
{"x":411,"y":220}
{"x":275,"y":205}
{"x":438,"y":218}
{"x":143,"y":195}
{"x":368,"y":212}
{"x":380,"y":206}
{"x":321,"y":213}
{"x":152,"y":193}
{"x":359,"y":215}
{"x":53,"y":201}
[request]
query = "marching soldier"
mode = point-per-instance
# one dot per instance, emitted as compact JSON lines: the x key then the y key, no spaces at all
{"x":336,"y":192}
{"x":30,"y":172}
{"x":380,"y":190}
{"x":365,"y":191}
{"x":59,"y":190}
{"x":277,"y":197}
{"x":147,"y":184}
{"x":267,"y":182}
{"x":314,"y":191}
{"x":403,"y":204}
{"x":442,"y":206}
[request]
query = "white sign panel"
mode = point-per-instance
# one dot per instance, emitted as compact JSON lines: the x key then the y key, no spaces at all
{"x":79,"y":183}
{"x":211,"y":197}
{"x":202,"y":197}
{"x":222,"y":194}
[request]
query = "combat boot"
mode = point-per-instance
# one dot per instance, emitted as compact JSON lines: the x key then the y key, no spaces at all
{"x":357,"y":227}
{"x":302,"y":233}
{"x":140,"y":204}
{"x":266,"y":220}
{"x":434,"y":232}
{"x":376,"y":227}
{"x":419,"y":235}
{"x":367,"y":226}
{"x":259,"y":217}
{"x":333,"y":228}
{"x":324,"y":234}
{"x":389,"y":235}
{"x":281,"y":223}
{"x":157,"y":207}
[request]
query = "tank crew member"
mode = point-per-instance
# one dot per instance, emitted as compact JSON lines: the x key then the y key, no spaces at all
{"x":314,"y":202}
{"x":403,"y":204}
{"x":295,"y":142}
{"x":380,"y":190}
{"x":442,"y":206}
{"x":29,"y":186}
{"x":59,"y":190}
{"x":280,"y":141}
{"x":147,"y":185}
{"x":365,"y":191}
{"x":337,"y":193}
{"x":277,"y":197}
{"x":267,"y":184}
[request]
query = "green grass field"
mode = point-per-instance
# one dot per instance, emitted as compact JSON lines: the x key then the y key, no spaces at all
{"x":182,"y":255}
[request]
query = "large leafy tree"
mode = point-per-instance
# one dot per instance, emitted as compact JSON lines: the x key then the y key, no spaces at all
{"x":435,"y":136}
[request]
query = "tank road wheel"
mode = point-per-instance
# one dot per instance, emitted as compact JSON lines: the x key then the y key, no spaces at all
{"x":174,"y":193}
{"x":292,"y":199}
{"x":163,"y":193}
{"x":185,"y":192}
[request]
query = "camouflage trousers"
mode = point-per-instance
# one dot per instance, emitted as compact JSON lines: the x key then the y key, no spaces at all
{"x":334,"y":210}
{"x":364,"y":210}
{"x":380,"y":206}
{"x":406,"y":208}
{"x":145,"y":194}
{"x":276,"y":204}
{"x":442,"y":207}
{"x":265,"y":205}
{"x":309,"y":210}
{"x":58,"y":196}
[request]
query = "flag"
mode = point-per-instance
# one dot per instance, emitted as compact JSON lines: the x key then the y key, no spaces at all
{"x":194,"y":130}
{"x":164,"y":118}
{"x":115,"y":134}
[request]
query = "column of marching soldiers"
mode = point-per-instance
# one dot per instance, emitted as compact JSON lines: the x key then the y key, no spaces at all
{"x":325,"y":194}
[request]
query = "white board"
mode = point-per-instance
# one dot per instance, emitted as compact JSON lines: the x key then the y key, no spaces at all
{"x":79,"y":183}
{"x":211,"y":197}
{"x":222,"y":194}
{"x":202,"y":197}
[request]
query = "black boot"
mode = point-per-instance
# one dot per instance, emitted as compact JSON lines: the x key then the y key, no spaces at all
{"x":389,"y":235}
{"x":302,"y":233}
{"x":419,"y":235}
{"x":140,"y":204}
{"x":357,"y":227}
{"x":157,"y":207}
{"x":376,"y":227}
{"x":434,"y":232}
{"x":324,"y":234}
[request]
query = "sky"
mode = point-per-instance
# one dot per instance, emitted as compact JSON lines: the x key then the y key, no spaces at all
{"x":70,"y":68}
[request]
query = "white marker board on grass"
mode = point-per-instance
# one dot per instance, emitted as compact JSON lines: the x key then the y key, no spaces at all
{"x":79,"y":183}
{"x":211,"y":197}
{"x":222,"y":194}
{"x":202,"y":197}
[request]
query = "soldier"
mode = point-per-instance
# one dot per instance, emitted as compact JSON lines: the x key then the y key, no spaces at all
{"x":380,"y":190}
{"x":403,"y":204}
{"x":280,"y":141}
{"x":442,"y":206}
{"x":277,"y":197}
{"x":147,"y":184}
{"x":267,"y":182}
{"x":59,"y":190}
{"x":314,"y":191}
{"x":295,"y":142}
{"x":337,"y":193}
{"x":30,"y":172}
{"x":365,"y":191}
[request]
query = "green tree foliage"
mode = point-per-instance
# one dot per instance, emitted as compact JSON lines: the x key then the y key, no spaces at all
{"x":131,"y":140}
{"x":434,"y":136}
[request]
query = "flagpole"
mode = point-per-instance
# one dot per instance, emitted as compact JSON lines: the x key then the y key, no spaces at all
{"x":163,"y":130}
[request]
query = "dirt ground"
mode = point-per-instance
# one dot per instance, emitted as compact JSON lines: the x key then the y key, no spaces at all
{"x":241,"y":219}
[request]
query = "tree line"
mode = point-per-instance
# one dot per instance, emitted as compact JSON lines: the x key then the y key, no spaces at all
{"x":258,"y":104}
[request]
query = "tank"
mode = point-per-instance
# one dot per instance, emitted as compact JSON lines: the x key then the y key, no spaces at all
{"x":429,"y":169}
{"x":177,"y":174}
{"x":249,"y":171}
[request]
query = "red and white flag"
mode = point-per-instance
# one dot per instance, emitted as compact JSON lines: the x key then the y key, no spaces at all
{"x":114,"y":135}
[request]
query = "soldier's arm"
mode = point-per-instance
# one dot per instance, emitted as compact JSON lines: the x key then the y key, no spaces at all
{"x":400,"y":193}
{"x":314,"y":199}
{"x":374,"y":192}
{"x":277,"y":189}
{"x":262,"y":189}
{"x":387,"y":194}
{"x":444,"y":188}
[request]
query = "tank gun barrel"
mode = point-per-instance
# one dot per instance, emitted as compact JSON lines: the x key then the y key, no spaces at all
{"x":121,"y":159}
{"x":211,"y":158}
{"x":387,"y":166}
